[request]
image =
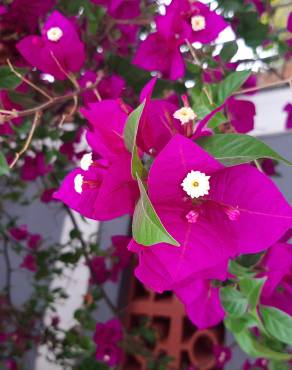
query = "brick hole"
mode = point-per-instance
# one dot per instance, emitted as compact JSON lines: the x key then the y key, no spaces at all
{"x":161,"y":325}
{"x":163,"y":296}
{"x":219,"y":331}
{"x":202,"y":351}
{"x":132,"y":363}
{"x":188,"y":329}
{"x":136,"y":320}
{"x":185,"y":361}
{"x":139,"y":291}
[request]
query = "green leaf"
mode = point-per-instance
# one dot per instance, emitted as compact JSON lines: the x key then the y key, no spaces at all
{"x":8,"y":79}
{"x":252,"y":288}
{"x":275,"y":365}
{"x":228,"y":51}
{"x":231,"y":84}
{"x":148,"y":334}
{"x":200,"y":102}
{"x":130,"y":136}
{"x":249,"y":260}
{"x":277,"y":323}
{"x":237,"y":324}
{"x":4,"y":169}
{"x":251,"y":345}
{"x":217,"y":120}
{"x":147,"y":227}
{"x":238,"y":270}
{"x":232,"y":149}
{"x":233,"y":301}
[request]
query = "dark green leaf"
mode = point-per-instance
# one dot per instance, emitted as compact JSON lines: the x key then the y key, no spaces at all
{"x":277,"y":323}
{"x":231,"y":84}
{"x":4,"y":169}
{"x":232,"y":149}
{"x":8,"y":79}
{"x":70,"y":257}
{"x":249,"y":260}
{"x":233,"y":301}
{"x":238,"y":270}
{"x":229,"y":50}
{"x":148,"y":334}
{"x":147,"y":227}
{"x":251,"y":29}
{"x":217,"y":120}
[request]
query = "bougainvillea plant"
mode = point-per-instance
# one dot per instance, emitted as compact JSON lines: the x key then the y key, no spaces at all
{"x":141,"y":108}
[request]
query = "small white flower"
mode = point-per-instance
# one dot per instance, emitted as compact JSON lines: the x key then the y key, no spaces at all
{"x":78,"y":182}
{"x":198,"y":23}
{"x":196,"y":184}
{"x":184,"y":115}
{"x":54,"y":34}
{"x":86,"y":161}
{"x":106,"y":358}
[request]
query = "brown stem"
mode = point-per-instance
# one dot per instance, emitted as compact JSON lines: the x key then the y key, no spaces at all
{"x":88,"y":261}
{"x":8,"y":270}
{"x":54,"y":101}
{"x":197,"y":62}
{"x":266,"y":86}
{"x":28,"y":140}
{"x":69,"y":76}
{"x":71,"y":113}
{"x":24,"y":79}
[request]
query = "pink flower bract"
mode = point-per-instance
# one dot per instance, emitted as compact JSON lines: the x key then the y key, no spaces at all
{"x":121,"y":9}
{"x":107,"y":337}
{"x":108,"y":192}
{"x":262,"y":216}
{"x":277,"y":291}
{"x":59,"y":54}
{"x":29,"y":263}
{"x":241,"y":113}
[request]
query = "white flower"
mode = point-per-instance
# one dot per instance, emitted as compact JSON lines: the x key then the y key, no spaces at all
{"x":78,"y":182}
{"x":86,"y":161}
{"x":54,"y":34}
{"x":184,"y":115}
{"x":198,"y":23}
{"x":106,"y":358}
{"x":196,"y":184}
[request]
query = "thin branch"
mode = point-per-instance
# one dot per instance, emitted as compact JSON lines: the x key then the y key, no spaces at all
{"x":71,"y":113}
{"x":28,"y":140}
{"x":88,"y":261}
{"x":69,"y":76}
{"x":287,"y":81}
{"x":24,"y":79}
{"x":197,"y":62}
{"x":8,"y":270}
{"x":54,"y":101}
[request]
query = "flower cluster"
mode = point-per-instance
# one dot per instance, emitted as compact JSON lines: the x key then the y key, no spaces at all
{"x":113,"y":108}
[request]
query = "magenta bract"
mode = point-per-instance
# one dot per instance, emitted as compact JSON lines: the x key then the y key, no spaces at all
{"x":107,"y":120}
{"x":58,"y":51}
{"x":121,"y":9}
{"x":108,"y":190}
{"x":161,"y":50}
{"x":107,"y":337}
{"x":277,"y":264}
{"x":229,"y":220}
{"x":241,"y":113}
